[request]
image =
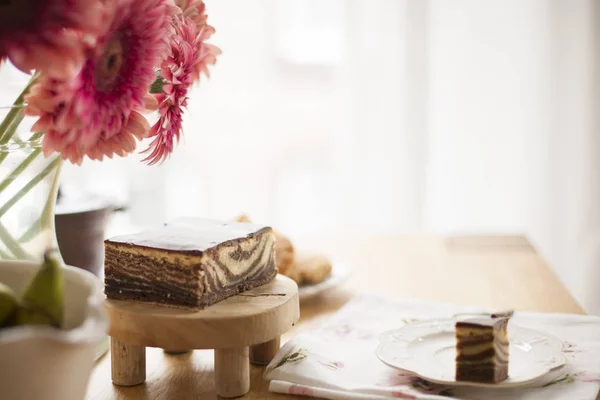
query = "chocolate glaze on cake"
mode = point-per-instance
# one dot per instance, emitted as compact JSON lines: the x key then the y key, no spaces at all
{"x":482,"y":350}
{"x":192,"y":267}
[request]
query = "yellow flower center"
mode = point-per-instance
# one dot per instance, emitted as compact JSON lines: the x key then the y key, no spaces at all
{"x":108,"y":66}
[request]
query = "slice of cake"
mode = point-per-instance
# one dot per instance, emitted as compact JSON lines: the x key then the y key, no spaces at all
{"x":191,"y":267}
{"x":482,"y":349}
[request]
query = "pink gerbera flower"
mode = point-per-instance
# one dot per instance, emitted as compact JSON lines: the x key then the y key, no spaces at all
{"x":196,"y":10}
{"x":99,"y":112}
{"x":48,"y":35}
{"x":189,"y":56}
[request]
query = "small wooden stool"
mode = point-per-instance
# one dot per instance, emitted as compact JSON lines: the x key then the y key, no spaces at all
{"x":240,"y":329}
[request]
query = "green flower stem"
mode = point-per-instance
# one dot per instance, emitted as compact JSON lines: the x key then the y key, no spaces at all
{"x":47,"y":213}
{"x":33,"y":138}
{"x":8,"y":126}
{"x":20,"y":168}
{"x":3,"y":155}
{"x":4,"y":255}
{"x":12,"y":128}
{"x":11,"y":116}
{"x":36,"y":227}
{"x":36,"y":136}
{"x":12,"y":244}
{"x":37,"y":179}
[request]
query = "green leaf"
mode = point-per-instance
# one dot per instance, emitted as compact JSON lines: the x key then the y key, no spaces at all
{"x":157,"y":85}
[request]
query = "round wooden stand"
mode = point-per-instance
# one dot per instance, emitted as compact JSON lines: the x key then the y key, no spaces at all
{"x":240,"y":329}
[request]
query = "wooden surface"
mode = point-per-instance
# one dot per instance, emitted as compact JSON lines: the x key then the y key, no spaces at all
{"x":255,"y":316}
{"x":491,"y":271}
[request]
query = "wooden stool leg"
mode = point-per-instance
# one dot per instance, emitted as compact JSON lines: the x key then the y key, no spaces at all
{"x":263,"y":353}
{"x":128,"y":363}
{"x":232,"y":372}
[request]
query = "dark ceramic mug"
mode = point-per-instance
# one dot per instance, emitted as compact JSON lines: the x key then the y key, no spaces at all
{"x":80,"y":228}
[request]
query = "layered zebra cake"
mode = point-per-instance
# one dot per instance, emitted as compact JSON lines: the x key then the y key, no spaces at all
{"x":482,"y":349}
{"x":189,"y":266}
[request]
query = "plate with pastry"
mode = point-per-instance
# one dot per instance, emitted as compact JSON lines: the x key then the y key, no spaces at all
{"x":314,"y":273}
{"x":483,"y":351}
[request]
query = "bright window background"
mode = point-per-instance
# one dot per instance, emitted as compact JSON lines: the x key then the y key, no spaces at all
{"x":389,"y":116}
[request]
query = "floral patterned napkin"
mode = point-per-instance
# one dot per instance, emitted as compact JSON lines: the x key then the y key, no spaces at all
{"x":338,"y":361}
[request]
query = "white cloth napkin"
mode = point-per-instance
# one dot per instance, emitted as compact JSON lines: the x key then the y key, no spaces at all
{"x":338,"y":361}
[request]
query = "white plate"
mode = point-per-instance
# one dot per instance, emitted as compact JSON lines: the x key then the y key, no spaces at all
{"x":427,"y":349}
{"x":339,"y":274}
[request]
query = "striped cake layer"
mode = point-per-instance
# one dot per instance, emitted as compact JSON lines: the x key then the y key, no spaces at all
{"x":473,"y":349}
{"x":482,"y":374}
{"x":482,"y":350}
{"x":187,"y":277}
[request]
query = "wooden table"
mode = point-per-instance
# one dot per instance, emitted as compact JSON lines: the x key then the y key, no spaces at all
{"x":490,"y":271}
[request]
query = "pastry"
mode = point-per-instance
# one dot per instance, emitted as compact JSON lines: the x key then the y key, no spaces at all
{"x":191,"y":262}
{"x":284,"y":253}
{"x":310,"y":269}
{"x":482,"y":349}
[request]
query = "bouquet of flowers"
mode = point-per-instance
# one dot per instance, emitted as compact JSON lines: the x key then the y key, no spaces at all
{"x":99,"y":65}
{"x":98,"y":69}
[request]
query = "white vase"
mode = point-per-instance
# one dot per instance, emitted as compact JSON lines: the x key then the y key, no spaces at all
{"x":44,"y":363}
